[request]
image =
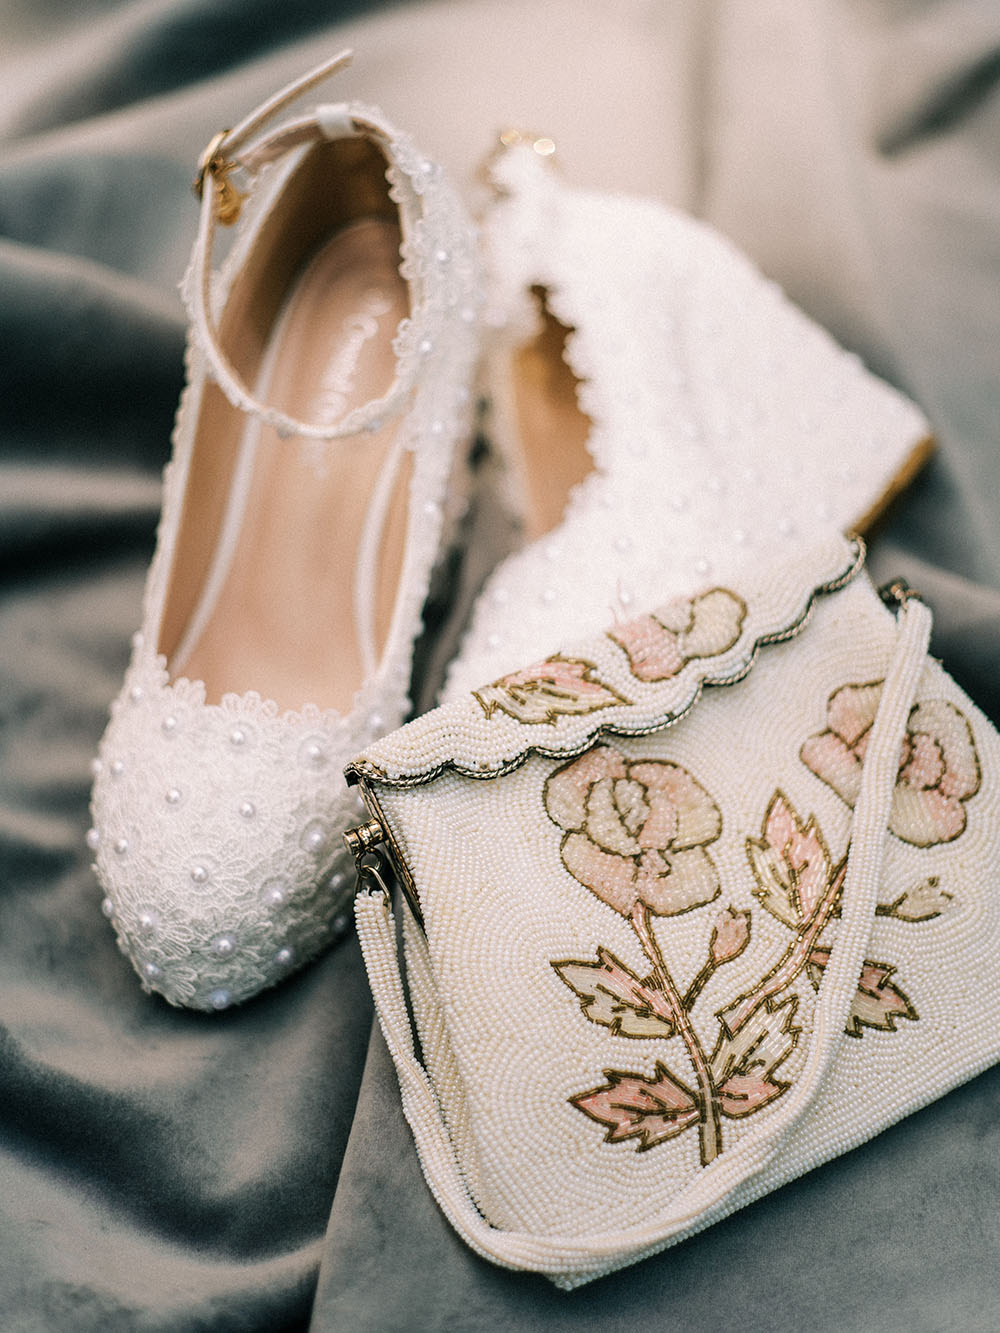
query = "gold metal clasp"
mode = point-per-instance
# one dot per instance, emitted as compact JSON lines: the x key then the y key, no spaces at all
{"x":228,"y":199}
{"x":362,"y":842}
{"x":364,"y":838}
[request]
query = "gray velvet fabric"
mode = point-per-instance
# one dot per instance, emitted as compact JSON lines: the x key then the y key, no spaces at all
{"x":251,"y":1170}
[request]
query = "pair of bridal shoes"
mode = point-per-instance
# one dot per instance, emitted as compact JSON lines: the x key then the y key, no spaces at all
{"x":661,"y":413}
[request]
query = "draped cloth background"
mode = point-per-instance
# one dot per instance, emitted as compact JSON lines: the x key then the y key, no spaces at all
{"x":161,"y":1170}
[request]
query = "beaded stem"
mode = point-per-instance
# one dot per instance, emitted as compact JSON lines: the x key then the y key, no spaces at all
{"x":795,"y":958}
{"x":709,"y":1131}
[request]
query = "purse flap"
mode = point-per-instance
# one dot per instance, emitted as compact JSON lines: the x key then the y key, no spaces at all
{"x":640,"y":675}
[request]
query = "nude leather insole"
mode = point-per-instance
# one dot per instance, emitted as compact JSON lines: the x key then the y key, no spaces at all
{"x":282,"y":619}
{"x":553,"y":432}
{"x":552,"y":429}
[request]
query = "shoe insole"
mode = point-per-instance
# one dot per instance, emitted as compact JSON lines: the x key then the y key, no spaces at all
{"x":277,"y":609}
{"x":551,"y":427}
{"x":551,"y":455}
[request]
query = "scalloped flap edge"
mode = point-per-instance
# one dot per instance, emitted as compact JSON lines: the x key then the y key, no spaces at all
{"x":638,"y":676}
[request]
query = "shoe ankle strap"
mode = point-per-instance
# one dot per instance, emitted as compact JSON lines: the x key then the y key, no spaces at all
{"x":239,"y":149}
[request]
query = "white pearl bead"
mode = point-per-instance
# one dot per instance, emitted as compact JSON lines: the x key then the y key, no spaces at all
{"x":108,"y":908}
{"x":121,"y":846}
{"x":275,"y":895}
{"x":136,"y":693}
{"x":173,"y":796}
{"x":93,"y":839}
{"x":117,"y":768}
{"x":148,"y":922}
{"x":220,"y":999}
{"x":169,"y":725}
{"x":285,"y":957}
{"x":247,"y":809}
{"x":702,"y":567}
{"x":199,"y":874}
{"x":152,"y":972}
{"x":549,"y":595}
{"x":237,"y":737}
{"x":96,"y":768}
{"x":224,"y":945}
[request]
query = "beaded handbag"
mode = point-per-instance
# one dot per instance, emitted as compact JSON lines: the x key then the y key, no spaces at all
{"x":667,"y":947}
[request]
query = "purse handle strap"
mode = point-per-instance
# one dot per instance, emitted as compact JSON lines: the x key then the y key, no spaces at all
{"x":572,"y":1259}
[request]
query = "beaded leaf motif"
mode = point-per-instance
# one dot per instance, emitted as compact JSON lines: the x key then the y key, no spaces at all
{"x":558,"y":687}
{"x":635,"y":834}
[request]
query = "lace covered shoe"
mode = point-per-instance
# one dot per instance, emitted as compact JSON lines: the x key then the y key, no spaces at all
{"x":667,"y":416}
{"x":301,"y":522}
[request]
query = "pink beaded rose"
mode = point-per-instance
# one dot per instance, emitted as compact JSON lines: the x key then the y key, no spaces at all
{"x":938,"y":763}
{"x":635,"y":831}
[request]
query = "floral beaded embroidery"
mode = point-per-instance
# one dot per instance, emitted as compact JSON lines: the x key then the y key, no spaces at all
{"x":659,"y":645}
{"x":791,"y":865}
{"x":558,"y":687}
{"x":635,"y":834}
{"x":938,"y":767}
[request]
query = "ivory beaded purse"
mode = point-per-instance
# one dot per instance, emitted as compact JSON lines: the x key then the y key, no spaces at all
{"x":669,"y":946}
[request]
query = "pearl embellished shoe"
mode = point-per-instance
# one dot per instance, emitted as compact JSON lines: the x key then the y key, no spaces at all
{"x":301,"y":521}
{"x":668,"y":418}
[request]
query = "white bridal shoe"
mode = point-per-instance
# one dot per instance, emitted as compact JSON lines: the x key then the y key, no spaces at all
{"x":667,"y":416}
{"x":301,"y":521}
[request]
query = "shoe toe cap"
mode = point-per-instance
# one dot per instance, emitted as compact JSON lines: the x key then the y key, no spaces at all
{"x":218,"y":842}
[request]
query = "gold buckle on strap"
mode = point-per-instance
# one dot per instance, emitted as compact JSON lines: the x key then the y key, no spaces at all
{"x":228,"y":199}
